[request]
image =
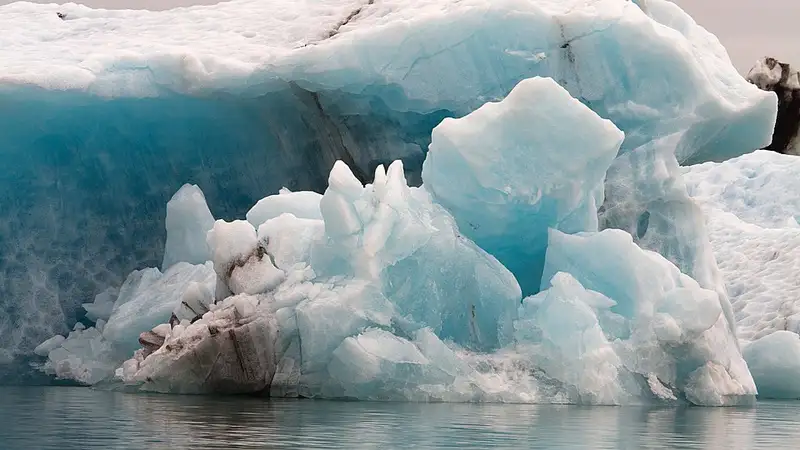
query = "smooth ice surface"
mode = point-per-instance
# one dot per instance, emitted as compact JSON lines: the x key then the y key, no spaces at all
{"x":509,"y":171}
{"x":304,"y":205}
{"x":774,"y":361}
{"x":244,"y":97}
{"x":188,"y":221}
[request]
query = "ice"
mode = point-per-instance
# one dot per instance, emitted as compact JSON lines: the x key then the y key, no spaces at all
{"x":508,"y":172}
{"x":84,"y":356}
{"x":774,"y":361}
{"x":103,"y":305}
{"x":304,"y":205}
{"x":559,"y":329}
{"x":373,"y":290}
{"x":188,"y":221}
{"x":153,"y":303}
{"x":45,"y":347}
{"x":224,"y":352}
{"x":751,"y":210}
{"x":243,"y":98}
{"x":666,"y":325}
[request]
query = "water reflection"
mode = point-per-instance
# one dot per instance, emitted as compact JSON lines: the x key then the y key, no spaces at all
{"x":71,"y":418}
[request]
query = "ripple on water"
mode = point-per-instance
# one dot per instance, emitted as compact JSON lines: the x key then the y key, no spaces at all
{"x":79,"y":418}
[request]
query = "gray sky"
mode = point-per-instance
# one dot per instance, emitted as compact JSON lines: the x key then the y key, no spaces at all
{"x":749,"y":29}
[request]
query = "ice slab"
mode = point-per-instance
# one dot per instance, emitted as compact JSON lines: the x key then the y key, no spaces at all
{"x":510,"y":170}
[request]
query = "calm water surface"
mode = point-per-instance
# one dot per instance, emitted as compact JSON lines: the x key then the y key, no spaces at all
{"x":77,"y":418}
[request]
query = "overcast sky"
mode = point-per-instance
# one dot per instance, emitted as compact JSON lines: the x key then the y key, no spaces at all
{"x":749,"y":29}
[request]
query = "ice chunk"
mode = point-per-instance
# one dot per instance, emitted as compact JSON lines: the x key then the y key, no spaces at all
{"x":677,"y":330}
{"x":103,"y":305}
{"x":289,"y":239}
{"x":153,"y":304}
{"x":224,"y":352}
{"x":84,"y":356}
{"x":379,"y":365}
{"x":399,"y":237}
{"x":559,"y":330}
{"x":188,"y":222}
{"x":774,"y":361}
{"x":303,"y":205}
{"x":512,"y":169}
{"x":231,"y":244}
{"x":47,"y":346}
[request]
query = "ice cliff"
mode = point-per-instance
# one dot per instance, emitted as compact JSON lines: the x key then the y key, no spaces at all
{"x":552,"y":252}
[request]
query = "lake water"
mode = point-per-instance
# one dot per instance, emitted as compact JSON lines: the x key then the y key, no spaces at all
{"x":77,"y":418}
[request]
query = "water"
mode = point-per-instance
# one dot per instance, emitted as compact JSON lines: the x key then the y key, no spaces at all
{"x":78,"y":418}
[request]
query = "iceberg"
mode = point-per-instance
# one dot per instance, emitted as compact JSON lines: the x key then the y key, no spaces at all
{"x":452,"y":158}
{"x":113,"y":132}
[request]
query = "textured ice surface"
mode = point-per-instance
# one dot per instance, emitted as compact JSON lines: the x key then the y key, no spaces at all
{"x":383,"y":300}
{"x":751,"y":208}
{"x":667,"y":328}
{"x":383,"y":271}
{"x":508,"y":172}
{"x":243,"y":97}
{"x":188,"y":221}
{"x":153,"y":303}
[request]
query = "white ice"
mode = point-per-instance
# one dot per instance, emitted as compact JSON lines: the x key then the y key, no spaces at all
{"x":750,"y":205}
{"x":188,"y":221}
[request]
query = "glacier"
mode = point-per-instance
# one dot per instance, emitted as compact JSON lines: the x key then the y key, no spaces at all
{"x":372,"y":200}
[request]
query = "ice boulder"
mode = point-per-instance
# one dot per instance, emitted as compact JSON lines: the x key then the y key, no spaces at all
{"x":188,"y":221}
{"x":303,"y":204}
{"x":774,"y":361}
{"x":666,"y":328}
{"x":511,"y":170}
